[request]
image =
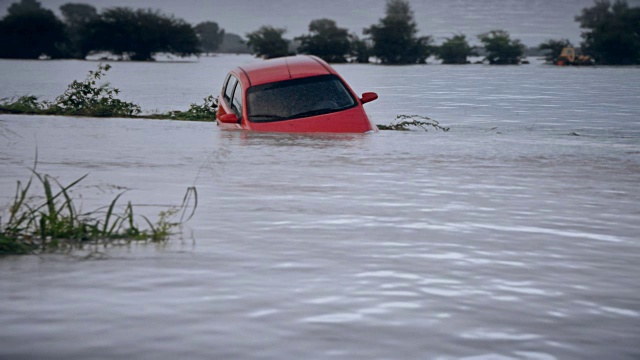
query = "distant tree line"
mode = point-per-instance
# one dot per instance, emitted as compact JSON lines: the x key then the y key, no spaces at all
{"x":393,"y":40}
{"x":29,"y":31}
{"x":611,"y":35}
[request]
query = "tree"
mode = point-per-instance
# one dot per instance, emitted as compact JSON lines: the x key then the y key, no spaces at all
{"x":553,"y":49}
{"x":210,"y":36}
{"x":267,"y":42}
{"x":612,"y":33}
{"x":326,"y":41}
{"x":394,"y":37}
{"x":29,"y":31}
{"x":455,"y":50}
{"x":233,"y":43}
{"x":78,"y":14}
{"x":360,"y":50}
{"x":140,"y":34}
{"x":501,"y":50}
{"x":77,"y":17}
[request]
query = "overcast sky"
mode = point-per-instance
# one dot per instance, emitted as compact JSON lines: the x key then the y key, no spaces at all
{"x":531,"y":21}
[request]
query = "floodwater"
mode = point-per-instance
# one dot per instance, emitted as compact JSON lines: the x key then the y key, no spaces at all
{"x":513,"y":236}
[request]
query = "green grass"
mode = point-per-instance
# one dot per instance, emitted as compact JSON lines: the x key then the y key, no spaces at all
{"x":52,"y":221}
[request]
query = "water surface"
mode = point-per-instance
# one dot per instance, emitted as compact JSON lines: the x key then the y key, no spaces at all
{"x":513,"y":236}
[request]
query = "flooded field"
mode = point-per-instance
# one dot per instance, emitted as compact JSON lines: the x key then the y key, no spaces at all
{"x":513,"y":236}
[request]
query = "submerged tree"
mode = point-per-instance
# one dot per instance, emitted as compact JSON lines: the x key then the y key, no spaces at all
{"x":77,"y":17}
{"x":553,"y":49}
{"x":612,"y":33}
{"x":455,"y":50}
{"x":29,"y":31}
{"x":501,"y":50}
{"x":140,"y":34}
{"x":326,"y":41}
{"x":267,"y":42}
{"x":210,"y":35}
{"x":395,"y":38}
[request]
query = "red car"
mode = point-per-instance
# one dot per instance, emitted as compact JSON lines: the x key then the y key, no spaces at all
{"x":292,"y":94}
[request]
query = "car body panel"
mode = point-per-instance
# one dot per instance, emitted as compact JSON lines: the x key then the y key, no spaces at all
{"x":351,"y":120}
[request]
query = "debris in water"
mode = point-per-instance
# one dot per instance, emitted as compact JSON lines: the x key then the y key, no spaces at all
{"x":405,"y":122}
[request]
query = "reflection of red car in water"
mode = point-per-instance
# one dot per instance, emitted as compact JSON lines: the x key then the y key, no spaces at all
{"x":292,"y":94}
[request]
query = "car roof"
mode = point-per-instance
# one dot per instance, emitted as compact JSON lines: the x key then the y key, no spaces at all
{"x":285,"y":68}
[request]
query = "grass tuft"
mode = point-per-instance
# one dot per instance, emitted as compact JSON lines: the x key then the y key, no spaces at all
{"x":52,"y":223}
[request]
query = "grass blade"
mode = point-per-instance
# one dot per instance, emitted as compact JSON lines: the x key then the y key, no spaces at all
{"x":185,"y":202}
{"x":109,"y":212}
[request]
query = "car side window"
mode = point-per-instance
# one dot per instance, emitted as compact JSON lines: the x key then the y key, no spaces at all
{"x":236,"y":103}
{"x":228,"y":92}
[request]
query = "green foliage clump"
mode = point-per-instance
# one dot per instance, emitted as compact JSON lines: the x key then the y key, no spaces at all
{"x":27,"y":104}
{"x":84,"y":98}
{"x":326,"y":40}
{"x":612,"y":35}
{"x":394,"y":38}
{"x":406,"y":122}
{"x":54,"y":222}
{"x":205,"y":112}
{"x":267,"y":42}
{"x":553,"y":49}
{"x":455,"y":50}
{"x":501,"y":50}
{"x":89,"y":99}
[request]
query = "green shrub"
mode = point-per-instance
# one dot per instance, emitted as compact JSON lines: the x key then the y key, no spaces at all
{"x":27,"y":104}
{"x":205,"y":112}
{"x":84,"y":98}
{"x":89,"y":99}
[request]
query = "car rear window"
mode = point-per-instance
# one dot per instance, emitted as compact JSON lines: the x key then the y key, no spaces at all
{"x":298,"y":98}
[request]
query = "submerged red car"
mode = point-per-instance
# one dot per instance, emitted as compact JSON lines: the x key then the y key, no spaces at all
{"x":292,"y":94}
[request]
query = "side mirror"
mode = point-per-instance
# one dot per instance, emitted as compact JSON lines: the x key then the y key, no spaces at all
{"x":368,"y":97}
{"x":230,"y":118}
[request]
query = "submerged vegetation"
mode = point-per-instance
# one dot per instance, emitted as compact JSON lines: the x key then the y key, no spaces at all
{"x":86,"y":97}
{"x":407,"y":122}
{"x":53,"y":222}
{"x":197,"y":112}
{"x":89,"y":98}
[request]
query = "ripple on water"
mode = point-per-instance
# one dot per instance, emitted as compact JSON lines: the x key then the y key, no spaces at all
{"x":492,"y":334}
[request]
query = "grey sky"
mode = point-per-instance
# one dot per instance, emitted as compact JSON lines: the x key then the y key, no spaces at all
{"x":532,"y":21}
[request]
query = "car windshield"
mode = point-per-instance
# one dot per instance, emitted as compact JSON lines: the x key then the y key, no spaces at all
{"x":298,"y":98}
